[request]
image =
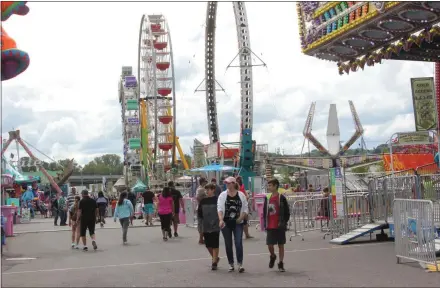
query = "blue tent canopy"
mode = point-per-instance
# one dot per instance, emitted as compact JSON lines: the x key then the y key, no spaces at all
{"x":215,"y":168}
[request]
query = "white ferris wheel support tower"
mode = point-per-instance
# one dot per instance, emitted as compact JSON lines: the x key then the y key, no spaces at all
{"x":156,"y":83}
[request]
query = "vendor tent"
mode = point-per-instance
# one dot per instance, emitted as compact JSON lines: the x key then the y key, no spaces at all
{"x":139,"y":187}
{"x":17,"y":176}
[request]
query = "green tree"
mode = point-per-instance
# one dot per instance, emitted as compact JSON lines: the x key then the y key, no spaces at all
{"x":108,"y":164}
{"x":188,"y":160}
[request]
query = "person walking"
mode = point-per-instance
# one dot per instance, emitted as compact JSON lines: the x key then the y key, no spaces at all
{"x":132,"y":197}
{"x":148,"y":209}
{"x":178,"y":203}
{"x":207,"y":212}
{"x":87,"y":213}
{"x":165,"y":210}
{"x":245,"y":222}
{"x":232,"y":209}
{"x":74,"y":221}
{"x":54,"y":207}
{"x":62,"y":209}
{"x":102,"y":203}
{"x":276,"y":217}
{"x":200,"y":194}
{"x":218,"y":189}
{"x":124,"y":210}
{"x":71,"y":198}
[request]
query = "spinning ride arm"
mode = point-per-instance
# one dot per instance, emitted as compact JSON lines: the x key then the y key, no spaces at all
{"x":307,"y":132}
{"x":359,"y":130}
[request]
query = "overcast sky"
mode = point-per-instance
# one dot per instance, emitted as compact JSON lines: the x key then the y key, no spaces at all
{"x":66,"y":103}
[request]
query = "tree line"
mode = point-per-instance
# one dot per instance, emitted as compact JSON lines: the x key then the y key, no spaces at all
{"x":107,"y":164}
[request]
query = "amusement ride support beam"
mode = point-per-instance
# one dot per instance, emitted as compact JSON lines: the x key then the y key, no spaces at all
{"x":246,"y":80}
{"x":15,"y":135}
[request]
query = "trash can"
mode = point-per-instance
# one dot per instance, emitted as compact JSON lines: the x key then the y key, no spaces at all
{"x":8,"y":212}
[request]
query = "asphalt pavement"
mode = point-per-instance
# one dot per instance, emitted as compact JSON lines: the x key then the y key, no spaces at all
{"x":45,"y":259}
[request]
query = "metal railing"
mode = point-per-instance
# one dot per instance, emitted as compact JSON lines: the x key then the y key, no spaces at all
{"x":415,"y":231}
{"x":309,"y":215}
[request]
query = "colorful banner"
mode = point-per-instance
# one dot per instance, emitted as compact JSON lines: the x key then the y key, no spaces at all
{"x":336,"y":182}
{"x":425,"y":111}
{"x":406,"y":161}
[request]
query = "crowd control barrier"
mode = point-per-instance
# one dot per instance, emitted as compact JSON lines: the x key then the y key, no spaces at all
{"x":415,"y":231}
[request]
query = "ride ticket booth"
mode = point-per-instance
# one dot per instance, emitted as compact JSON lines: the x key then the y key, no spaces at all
{"x":259,"y":203}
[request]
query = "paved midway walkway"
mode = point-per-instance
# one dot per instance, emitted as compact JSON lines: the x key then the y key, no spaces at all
{"x":45,"y":260}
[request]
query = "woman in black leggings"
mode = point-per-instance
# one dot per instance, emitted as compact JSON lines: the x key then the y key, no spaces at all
{"x":165,"y":211}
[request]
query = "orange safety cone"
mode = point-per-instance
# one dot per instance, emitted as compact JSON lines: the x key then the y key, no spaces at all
{"x":13,"y":7}
{"x":14,"y":61}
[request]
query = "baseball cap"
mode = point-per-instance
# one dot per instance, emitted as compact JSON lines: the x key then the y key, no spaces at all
{"x":230,"y":179}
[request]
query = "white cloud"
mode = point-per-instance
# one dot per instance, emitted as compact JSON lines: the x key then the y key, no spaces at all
{"x":76,"y":59}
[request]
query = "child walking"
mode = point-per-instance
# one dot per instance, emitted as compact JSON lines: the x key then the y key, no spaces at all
{"x":124,"y":211}
{"x":276,"y":217}
{"x":74,"y":222}
{"x":207,"y":213}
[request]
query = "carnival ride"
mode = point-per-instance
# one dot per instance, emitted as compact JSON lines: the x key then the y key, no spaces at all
{"x":149,"y":107}
{"x":15,"y":136}
{"x":14,"y":61}
{"x":355,"y":34}
{"x":246,"y":146}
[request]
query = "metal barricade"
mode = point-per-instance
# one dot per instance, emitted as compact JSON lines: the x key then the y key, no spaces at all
{"x":191,"y":212}
{"x":253,"y":213}
{"x":415,"y":231}
{"x":356,"y":211}
{"x":306,"y":214}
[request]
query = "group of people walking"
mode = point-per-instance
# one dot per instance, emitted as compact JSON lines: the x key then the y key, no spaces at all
{"x":228,"y":212}
{"x":217,"y":212}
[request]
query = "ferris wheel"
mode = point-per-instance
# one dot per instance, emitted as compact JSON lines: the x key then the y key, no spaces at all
{"x":157,"y":96}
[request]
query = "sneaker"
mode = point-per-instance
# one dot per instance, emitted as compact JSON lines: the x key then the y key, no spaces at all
{"x":214,"y":266}
{"x":94,"y":245}
{"x":169,"y":234}
{"x":85,"y":248}
{"x":281,"y":267}
{"x":231,"y":267}
{"x":175,"y":234}
{"x":76,"y":247}
{"x":240,"y":268}
{"x":73,"y":245}
{"x":273,"y":258}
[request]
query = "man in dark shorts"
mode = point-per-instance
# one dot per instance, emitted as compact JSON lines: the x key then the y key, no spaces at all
{"x":148,"y":209}
{"x":178,"y":203}
{"x":276,"y":216}
{"x":87,"y":212}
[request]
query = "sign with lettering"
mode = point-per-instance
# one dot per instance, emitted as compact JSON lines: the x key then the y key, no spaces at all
{"x":414,"y":137}
{"x":133,"y":121}
{"x":425,"y":111}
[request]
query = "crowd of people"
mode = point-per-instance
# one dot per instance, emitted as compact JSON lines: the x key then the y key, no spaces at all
{"x":218,"y":213}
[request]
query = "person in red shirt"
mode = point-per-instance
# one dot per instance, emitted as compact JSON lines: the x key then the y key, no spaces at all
{"x":276,"y":217}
